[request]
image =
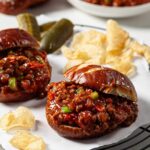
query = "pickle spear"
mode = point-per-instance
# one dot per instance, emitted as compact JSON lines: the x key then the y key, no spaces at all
{"x":29,"y":23}
{"x":46,"y":26}
{"x":57,"y":35}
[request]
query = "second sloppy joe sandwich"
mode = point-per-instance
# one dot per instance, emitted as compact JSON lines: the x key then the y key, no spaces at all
{"x":94,"y":101}
{"x":13,"y":7}
{"x":24,"y":70}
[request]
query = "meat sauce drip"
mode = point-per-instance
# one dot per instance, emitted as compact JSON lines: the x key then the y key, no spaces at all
{"x":77,"y":106}
{"x":23,"y":70}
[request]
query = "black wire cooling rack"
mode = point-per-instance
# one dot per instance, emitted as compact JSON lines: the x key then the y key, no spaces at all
{"x":138,"y":140}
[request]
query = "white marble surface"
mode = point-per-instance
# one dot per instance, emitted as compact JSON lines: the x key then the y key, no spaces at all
{"x":138,"y":27}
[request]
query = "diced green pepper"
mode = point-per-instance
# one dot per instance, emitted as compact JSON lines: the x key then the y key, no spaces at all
{"x":79,"y":90}
{"x":13,"y":83}
{"x":94,"y":95}
{"x":40,"y":59}
{"x":65,"y":109}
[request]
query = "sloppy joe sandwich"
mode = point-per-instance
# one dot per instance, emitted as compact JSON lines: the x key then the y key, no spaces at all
{"x":95,"y":101}
{"x":17,"y":6}
{"x":24,"y":70}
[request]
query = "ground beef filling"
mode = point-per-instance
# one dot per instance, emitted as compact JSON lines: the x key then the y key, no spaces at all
{"x":23,"y":70}
{"x":74,"y":105}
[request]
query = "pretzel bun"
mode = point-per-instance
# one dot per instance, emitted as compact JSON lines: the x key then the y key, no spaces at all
{"x":95,"y":101}
{"x":103,"y":79}
{"x":25,"y":71}
{"x":16,"y":38}
{"x":13,"y":7}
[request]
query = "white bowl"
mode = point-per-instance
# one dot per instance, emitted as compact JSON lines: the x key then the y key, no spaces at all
{"x":106,"y":11}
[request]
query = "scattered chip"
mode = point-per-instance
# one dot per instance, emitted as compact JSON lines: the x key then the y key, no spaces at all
{"x":37,"y":145}
{"x":114,"y":49}
{"x":116,"y":37}
{"x":24,"y":140}
{"x":90,"y":37}
{"x":72,"y":63}
{"x":147,"y":55}
{"x":21,"y":118}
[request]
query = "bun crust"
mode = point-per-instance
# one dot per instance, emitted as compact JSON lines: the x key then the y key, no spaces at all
{"x":79,"y":133}
{"x":16,"y":38}
{"x":73,"y":132}
{"x":15,"y":97}
{"x":103,"y":79}
{"x":13,"y":7}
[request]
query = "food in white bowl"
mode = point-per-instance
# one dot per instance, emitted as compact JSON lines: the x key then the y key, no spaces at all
{"x":113,"y":12}
{"x":118,"y":2}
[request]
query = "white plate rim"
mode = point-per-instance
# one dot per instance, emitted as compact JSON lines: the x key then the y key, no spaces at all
{"x":107,"y":11}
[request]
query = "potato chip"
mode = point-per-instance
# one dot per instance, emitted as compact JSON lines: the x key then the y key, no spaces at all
{"x":136,"y":47}
{"x":115,"y":49}
{"x":7,"y":120}
{"x":110,"y":59}
{"x":127,"y":54}
{"x":147,"y":55}
{"x":116,"y":37}
{"x":24,"y":140}
{"x":69,"y":54}
{"x":72,"y":63}
{"x":88,"y":37}
{"x":21,"y":118}
{"x":37,"y":145}
{"x":124,"y":66}
{"x":25,"y":117}
{"x":91,"y":50}
{"x":97,"y":60}
{"x":139,"y":49}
